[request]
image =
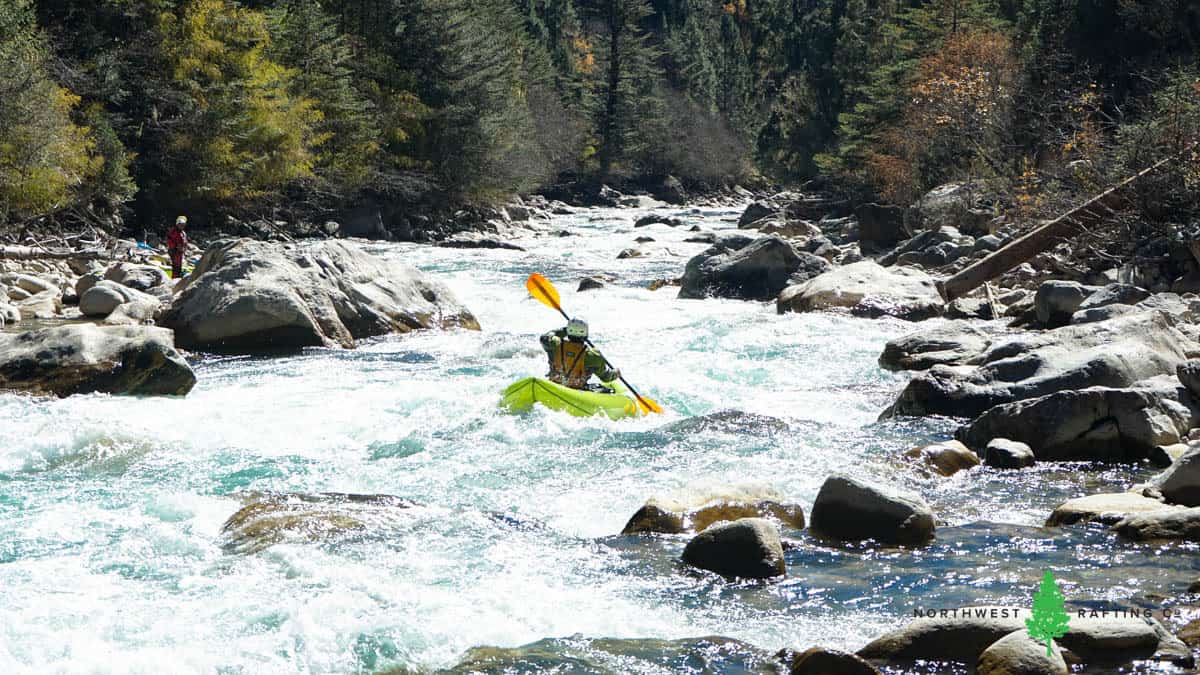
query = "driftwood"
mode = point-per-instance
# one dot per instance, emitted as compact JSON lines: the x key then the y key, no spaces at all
{"x":1043,"y":237}
{"x":31,"y":253}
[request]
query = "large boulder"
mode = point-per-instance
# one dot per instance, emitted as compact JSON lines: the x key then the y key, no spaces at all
{"x":105,"y":297}
{"x":661,"y":518}
{"x":958,"y":635}
{"x":1019,"y":654}
{"x":1114,"y":294}
{"x":84,"y":358}
{"x":747,"y":548}
{"x":953,"y":343}
{"x":1114,"y":353}
{"x":880,"y":227}
{"x":851,"y":510}
{"x":1095,"y":424}
{"x":755,"y":212}
{"x":44,"y":305}
{"x":1180,"y":523}
{"x":1180,"y":484}
{"x":1105,"y":508}
{"x":250,"y":295}
{"x":757,"y":271}
{"x":868,"y":289}
{"x":671,"y":191}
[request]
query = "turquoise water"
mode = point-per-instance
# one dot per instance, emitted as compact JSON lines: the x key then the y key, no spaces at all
{"x":111,"y":556}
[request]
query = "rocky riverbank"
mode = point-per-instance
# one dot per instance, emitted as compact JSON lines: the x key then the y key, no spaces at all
{"x":1056,"y":365}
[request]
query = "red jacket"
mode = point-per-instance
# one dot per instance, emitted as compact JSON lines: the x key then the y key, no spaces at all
{"x":176,"y":240}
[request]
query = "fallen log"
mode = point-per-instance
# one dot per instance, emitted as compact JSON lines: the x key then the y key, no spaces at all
{"x":1041,"y":238}
{"x":31,"y":253}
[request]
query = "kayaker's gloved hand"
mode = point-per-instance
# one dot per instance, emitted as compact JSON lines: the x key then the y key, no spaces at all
{"x":616,"y":374}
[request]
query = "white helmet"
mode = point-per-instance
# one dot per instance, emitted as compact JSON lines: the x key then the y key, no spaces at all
{"x":181,"y":220}
{"x":577,"y":329}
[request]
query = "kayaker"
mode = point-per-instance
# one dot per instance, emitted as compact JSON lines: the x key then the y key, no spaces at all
{"x":572,"y":361}
{"x":177,"y":245}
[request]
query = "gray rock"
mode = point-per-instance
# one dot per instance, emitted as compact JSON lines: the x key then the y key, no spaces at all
{"x":44,"y":305}
{"x":754,"y":212}
{"x":852,"y":510}
{"x":1115,"y":353}
{"x":29,"y":283}
{"x":1019,"y":654}
{"x":101,"y":299}
{"x":84,"y":358}
{"x":630,"y":253}
{"x":988,"y":242}
{"x":790,"y":229}
{"x":969,"y":308}
{"x":139,"y":277}
{"x":1056,"y":301}
{"x":757,"y":271}
{"x":957,"y":204}
{"x":106,"y":298}
{"x":1106,"y":509}
{"x":921,"y":248}
{"x":960,"y":635}
{"x":868,"y":289}
{"x":659,"y":219}
{"x":1181,"y":523}
{"x":747,"y":548}
{"x":659,"y":518}
{"x":955,"y":343}
{"x":671,"y":191}
{"x":1095,"y":424}
{"x":478,"y":241}
{"x":1104,"y":313}
{"x":9,"y":314}
{"x":1180,"y":484}
{"x":1114,"y":294}
{"x":248,"y":295}
{"x":1002,"y":453}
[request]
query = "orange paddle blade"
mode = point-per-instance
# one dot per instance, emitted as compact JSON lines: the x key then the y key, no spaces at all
{"x":545,"y":292}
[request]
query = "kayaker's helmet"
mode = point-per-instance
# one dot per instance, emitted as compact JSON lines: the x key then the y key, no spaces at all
{"x":181,"y":220}
{"x":577,"y":329}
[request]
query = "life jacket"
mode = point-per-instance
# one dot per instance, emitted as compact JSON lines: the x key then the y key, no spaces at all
{"x":568,"y":364}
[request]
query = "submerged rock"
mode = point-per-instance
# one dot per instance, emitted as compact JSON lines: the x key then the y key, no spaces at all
{"x":946,"y":459}
{"x":659,"y":518}
{"x":728,"y":422}
{"x":868,"y":289}
{"x":298,"y":518}
{"x":612,"y":656}
{"x":1019,"y":654}
{"x":248,"y":295}
{"x":1114,"y":353}
{"x":747,"y":548}
{"x":852,"y":510}
{"x":84,"y":359}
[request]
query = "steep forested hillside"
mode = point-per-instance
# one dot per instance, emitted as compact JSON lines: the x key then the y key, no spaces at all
{"x":141,"y":107}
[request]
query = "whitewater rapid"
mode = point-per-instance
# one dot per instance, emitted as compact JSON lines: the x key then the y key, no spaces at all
{"x":111,"y":508}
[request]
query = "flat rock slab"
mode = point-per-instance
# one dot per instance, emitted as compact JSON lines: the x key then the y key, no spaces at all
{"x":1108,"y":509}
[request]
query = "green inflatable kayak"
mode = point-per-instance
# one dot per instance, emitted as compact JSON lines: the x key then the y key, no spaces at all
{"x":522,"y":394}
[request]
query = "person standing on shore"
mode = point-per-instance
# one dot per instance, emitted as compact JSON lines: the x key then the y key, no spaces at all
{"x":177,"y":245}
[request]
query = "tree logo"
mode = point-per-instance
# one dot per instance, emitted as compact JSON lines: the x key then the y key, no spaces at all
{"x":1050,"y":618}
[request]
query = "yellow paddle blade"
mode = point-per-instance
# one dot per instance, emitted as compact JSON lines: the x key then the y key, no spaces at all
{"x":545,"y":292}
{"x":649,"y":405}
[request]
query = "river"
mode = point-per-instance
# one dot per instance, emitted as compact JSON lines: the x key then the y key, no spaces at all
{"x":111,"y":508}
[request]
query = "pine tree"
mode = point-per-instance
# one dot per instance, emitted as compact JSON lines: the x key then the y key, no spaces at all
{"x":1050,"y":619}
{"x":627,"y":106}
{"x":306,"y":39}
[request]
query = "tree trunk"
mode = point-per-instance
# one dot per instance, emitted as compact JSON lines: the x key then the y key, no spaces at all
{"x":30,"y":253}
{"x":1041,"y":238}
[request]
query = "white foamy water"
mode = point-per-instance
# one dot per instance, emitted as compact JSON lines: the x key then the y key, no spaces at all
{"x":111,"y":508}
